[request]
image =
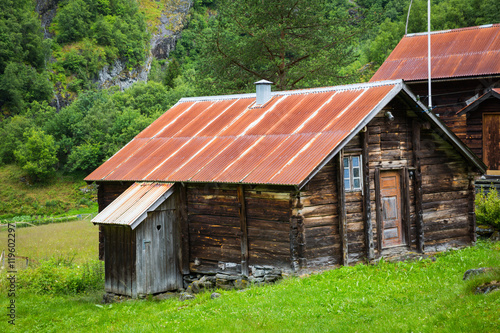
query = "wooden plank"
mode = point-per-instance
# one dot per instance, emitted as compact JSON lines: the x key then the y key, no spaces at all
{"x":471,"y":214}
{"x":244,"y":230}
{"x":378,"y":209}
{"x":418,"y":184}
{"x":367,"y":213}
{"x":407,"y":205}
{"x":183,"y":223}
{"x":341,"y":209}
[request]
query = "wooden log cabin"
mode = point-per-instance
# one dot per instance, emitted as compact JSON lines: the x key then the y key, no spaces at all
{"x":465,"y":72}
{"x":297,"y":180}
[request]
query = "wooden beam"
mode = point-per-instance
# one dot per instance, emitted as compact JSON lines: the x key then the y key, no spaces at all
{"x":416,"y":126}
{"x":182,"y":216}
{"x":407,"y":205}
{"x":378,"y":208}
{"x":244,"y":230}
{"x":367,"y":210}
{"x":471,"y":212}
{"x":341,"y":209}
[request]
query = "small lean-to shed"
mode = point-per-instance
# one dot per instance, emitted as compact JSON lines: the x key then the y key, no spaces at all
{"x":141,"y":241}
{"x":465,"y":72}
{"x":304,"y":180}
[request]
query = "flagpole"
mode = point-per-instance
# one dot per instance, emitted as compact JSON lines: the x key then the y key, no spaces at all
{"x":429,"y":50}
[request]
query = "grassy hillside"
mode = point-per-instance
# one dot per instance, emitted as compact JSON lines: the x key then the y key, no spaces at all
{"x":62,"y":195}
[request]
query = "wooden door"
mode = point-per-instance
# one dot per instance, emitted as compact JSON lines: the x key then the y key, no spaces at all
{"x":157,"y":261}
{"x":390,"y":192}
{"x":491,"y":141}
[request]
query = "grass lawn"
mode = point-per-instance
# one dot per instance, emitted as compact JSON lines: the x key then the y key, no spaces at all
{"x":419,"y":296}
{"x":78,"y":240}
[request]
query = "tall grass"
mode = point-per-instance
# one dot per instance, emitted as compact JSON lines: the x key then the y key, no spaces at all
{"x":78,"y":239}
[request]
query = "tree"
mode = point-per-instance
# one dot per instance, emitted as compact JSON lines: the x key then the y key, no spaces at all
{"x":37,"y":156}
{"x":293,"y":43}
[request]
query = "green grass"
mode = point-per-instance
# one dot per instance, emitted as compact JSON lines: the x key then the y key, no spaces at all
{"x":418,"y":296}
{"x":78,"y":240}
{"x":60,"y":196}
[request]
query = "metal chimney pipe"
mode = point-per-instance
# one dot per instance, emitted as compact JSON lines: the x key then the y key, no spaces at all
{"x":263,"y":89}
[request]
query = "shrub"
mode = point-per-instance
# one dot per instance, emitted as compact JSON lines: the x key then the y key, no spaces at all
{"x":37,"y":155}
{"x":61,"y":276}
{"x":488,"y":208}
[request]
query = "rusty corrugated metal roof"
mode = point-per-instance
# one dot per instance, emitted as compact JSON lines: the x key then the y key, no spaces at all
{"x":131,"y":207}
{"x":462,"y":52}
{"x":227,"y":139}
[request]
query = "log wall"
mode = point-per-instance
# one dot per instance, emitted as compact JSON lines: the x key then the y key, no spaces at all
{"x":446,"y":194}
{"x":215,"y":234}
{"x":319,"y":213}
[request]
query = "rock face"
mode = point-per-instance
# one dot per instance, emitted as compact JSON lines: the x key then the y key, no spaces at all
{"x":162,"y":43}
{"x":47,"y":11}
{"x":171,"y":23}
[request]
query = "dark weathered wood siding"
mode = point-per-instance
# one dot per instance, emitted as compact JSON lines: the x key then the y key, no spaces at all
{"x":445,"y":195}
{"x":215,"y":231}
{"x":319,"y":211}
{"x":119,"y":261}
{"x":106,"y":193}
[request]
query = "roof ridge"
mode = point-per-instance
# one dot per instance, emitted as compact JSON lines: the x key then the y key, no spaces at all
{"x":352,"y":86}
{"x":484,"y":26}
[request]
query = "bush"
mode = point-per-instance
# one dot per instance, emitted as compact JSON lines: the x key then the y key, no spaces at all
{"x":61,"y":276}
{"x":488,"y":208}
{"x":37,"y":155}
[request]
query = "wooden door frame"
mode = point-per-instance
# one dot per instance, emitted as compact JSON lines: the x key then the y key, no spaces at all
{"x":405,"y":206}
{"x":483,"y":145}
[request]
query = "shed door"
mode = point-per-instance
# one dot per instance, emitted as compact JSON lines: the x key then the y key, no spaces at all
{"x":491,"y":141}
{"x":157,"y":261}
{"x":390,"y":191}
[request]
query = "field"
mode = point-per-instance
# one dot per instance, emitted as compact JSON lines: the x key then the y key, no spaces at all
{"x":426,"y":295}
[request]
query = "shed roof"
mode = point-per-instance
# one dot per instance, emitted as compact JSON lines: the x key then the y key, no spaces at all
{"x":495,"y":93}
{"x":466,"y":52}
{"x":228,"y":139}
{"x":132,"y":206}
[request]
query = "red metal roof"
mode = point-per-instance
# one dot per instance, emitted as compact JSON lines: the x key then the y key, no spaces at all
{"x":229,"y":139}
{"x":131,"y":207}
{"x":463,"y":52}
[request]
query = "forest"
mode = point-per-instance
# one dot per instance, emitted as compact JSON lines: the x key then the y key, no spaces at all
{"x":54,"y":117}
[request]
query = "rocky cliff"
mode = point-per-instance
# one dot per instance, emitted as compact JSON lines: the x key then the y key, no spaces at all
{"x":164,"y":35}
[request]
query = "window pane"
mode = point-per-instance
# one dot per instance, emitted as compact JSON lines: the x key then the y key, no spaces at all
{"x":346,"y":162}
{"x":346,"y":173}
{"x":347,"y":184}
{"x":355,"y":161}
{"x":356,"y":183}
{"x":355,"y":172}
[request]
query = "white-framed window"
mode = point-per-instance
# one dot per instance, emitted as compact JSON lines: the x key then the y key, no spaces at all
{"x":352,"y":173}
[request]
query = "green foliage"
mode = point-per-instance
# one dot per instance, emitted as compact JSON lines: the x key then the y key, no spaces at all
{"x":11,"y":132}
{"x":37,"y":156}
{"x":291,"y":43}
{"x":488,"y":208}
{"x":22,"y":57}
{"x":60,"y":276}
{"x":116,"y":25}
